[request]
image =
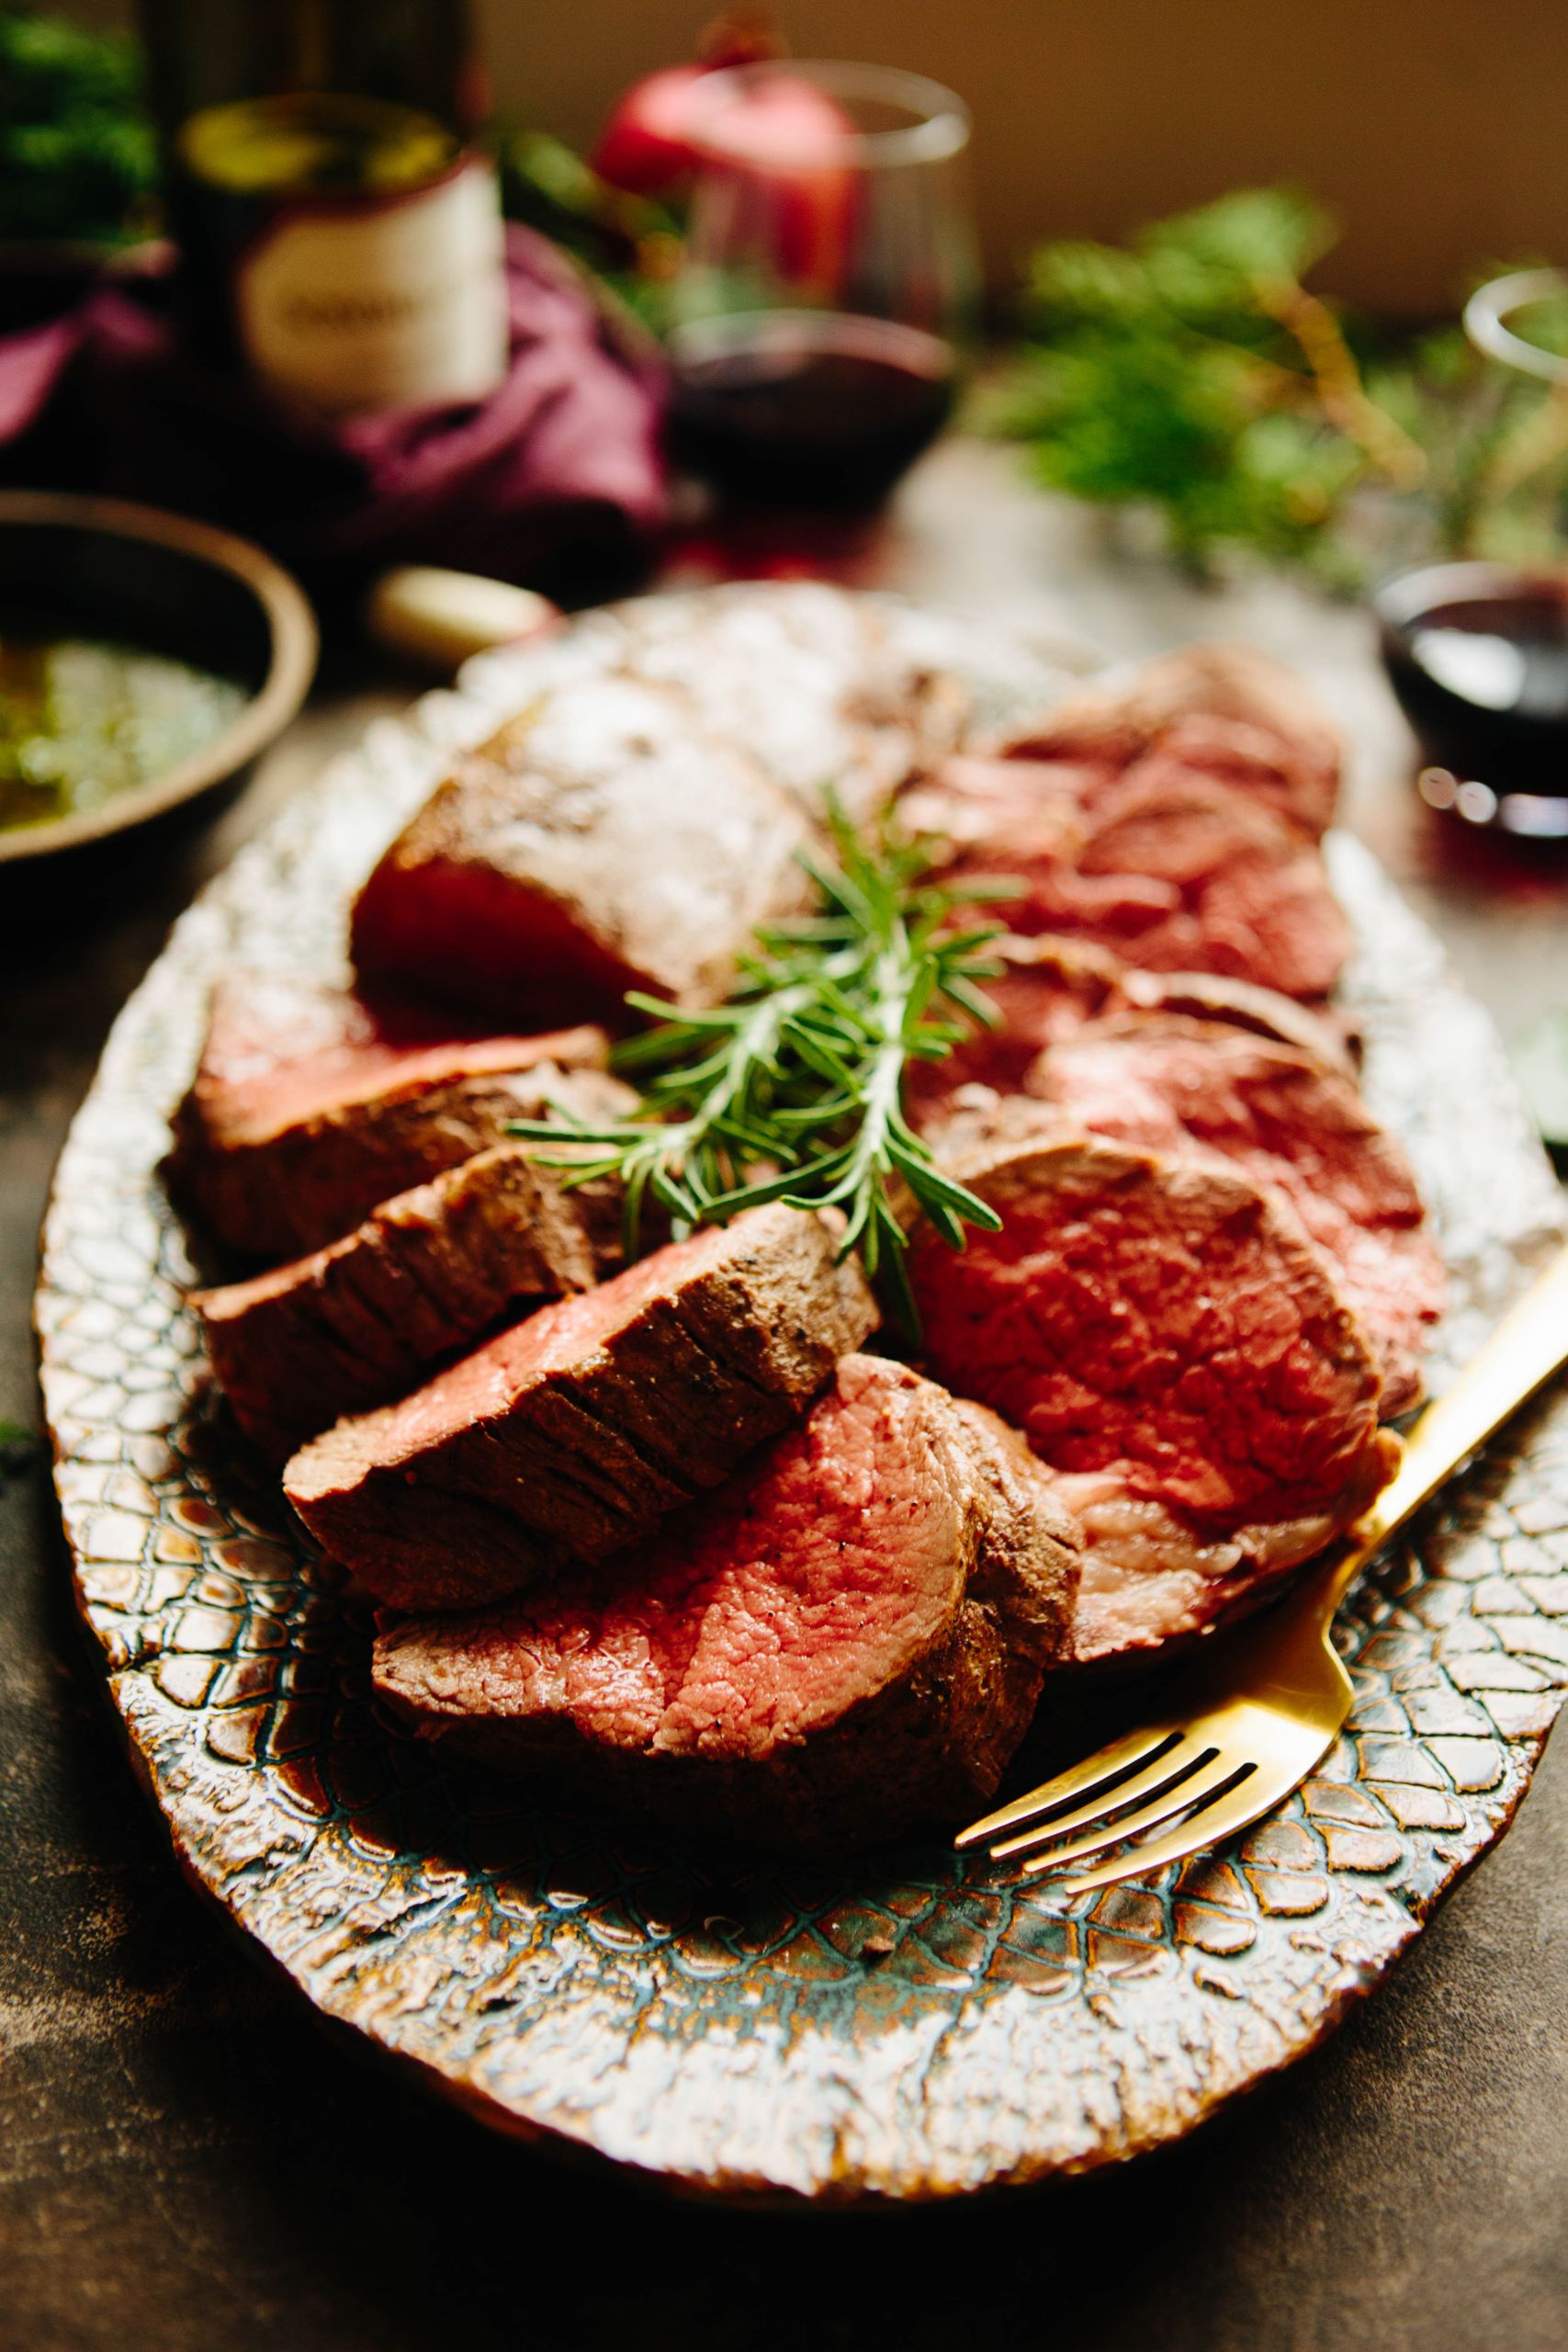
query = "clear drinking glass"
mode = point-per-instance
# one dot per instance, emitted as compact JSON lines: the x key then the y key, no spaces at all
{"x":828,"y":295}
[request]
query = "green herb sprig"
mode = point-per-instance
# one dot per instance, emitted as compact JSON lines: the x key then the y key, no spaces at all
{"x":792,"y":1090}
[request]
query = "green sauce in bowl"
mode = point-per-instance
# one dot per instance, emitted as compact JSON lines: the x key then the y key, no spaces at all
{"x":82,"y":719}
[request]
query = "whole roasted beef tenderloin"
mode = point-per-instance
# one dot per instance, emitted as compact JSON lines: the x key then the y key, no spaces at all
{"x":600,"y":841}
{"x":1177,"y":1350}
{"x":846,"y":1640}
{"x":312,"y":1105}
{"x":368,"y":1316}
{"x":573,"y":1433}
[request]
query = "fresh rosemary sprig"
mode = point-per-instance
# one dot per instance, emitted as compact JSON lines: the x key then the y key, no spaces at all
{"x":792,"y":1090}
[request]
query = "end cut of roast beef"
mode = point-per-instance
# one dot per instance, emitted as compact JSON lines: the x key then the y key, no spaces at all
{"x":600,"y":841}
{"x":575,"y":1431}
{"x":1173,"y":1347}
{"x":367,"y":1317}
{"x":848,"y":1639}
{"x":312,"y":1105}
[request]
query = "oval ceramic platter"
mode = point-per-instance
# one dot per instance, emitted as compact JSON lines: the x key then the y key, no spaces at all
{"x":909,"y":2025}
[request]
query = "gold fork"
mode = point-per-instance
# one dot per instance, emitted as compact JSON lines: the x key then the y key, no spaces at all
{"x":1263,"y":1705}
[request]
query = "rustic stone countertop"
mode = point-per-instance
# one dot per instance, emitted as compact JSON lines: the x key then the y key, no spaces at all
{"x":187,"y":2158}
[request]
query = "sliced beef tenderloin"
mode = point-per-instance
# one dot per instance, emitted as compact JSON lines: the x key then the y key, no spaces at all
{"x":1171,"y":869}
{"x":312,"y":1105}
{"x":1327,"y":1035}
{"x":1045,"y":989}
{"x":600,"y":841}
{"x":367,"y":1318}
{"x":1175,"y":1085}
{"x":573,"y":1432}
{"x":1230,"y":710}
{"x":1174,"y":1347}
{"x":848,"y":1639}
{"x":1048,"y":990}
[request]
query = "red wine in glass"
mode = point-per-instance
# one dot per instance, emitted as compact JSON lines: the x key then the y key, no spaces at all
{"x":817,"y":409}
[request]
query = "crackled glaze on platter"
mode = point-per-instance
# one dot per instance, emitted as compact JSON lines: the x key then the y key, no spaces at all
{"x":911,"y":2025}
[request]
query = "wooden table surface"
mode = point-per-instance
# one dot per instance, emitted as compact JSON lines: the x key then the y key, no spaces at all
{"x":186,"y":2160}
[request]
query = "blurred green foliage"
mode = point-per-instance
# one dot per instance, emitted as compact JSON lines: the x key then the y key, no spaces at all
{"x":78,"y":159}
{"x":1194,"y":372}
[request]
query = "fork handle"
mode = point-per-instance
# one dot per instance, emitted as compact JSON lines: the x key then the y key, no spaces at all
{"x":1528,"y":1345}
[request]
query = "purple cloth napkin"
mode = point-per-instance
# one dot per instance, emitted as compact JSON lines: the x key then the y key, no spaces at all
{"x":554,"y":482}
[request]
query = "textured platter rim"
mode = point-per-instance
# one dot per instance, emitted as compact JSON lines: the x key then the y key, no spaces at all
{"x":837,"y":2153}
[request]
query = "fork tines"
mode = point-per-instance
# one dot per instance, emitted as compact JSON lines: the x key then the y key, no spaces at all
{"x":1159,"y":1772}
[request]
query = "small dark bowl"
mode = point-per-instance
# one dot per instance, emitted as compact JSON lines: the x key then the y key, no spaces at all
{"x":1505,"y":765}
{"x":98,"y":567}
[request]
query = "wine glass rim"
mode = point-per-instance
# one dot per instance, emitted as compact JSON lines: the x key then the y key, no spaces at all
{"x":1492,"y":305}
{"x":940,"y":130}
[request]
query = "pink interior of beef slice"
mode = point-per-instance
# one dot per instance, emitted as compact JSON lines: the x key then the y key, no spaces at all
{"x":1168,"y":1334}
{"x":600,"y":841}
{"x":848,"y":1637}
{"x":363,"y":1320}
{"x":1172,"y":869}
{"x":312,"y":1105}
{"x":573,"y":1432}
{"x":1230,"y":710}
{"x":1175,"y":1085}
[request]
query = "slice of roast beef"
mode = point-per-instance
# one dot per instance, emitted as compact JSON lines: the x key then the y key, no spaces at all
{"x":1048,"y":990}
{"x":367,"y":1318}
{"x":312,"y":1105}
{"x":600,"y":841}
{"x":1172,"y":869}
{"x":1173,"y":1347}
{"x":573,"y":1432}
{"x":1230,"y":710}
{"x":1178,"y":1086}
{"x":848,"y":1639}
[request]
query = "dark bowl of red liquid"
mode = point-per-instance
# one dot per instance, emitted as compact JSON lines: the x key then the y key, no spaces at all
{"x":1477,"y":654}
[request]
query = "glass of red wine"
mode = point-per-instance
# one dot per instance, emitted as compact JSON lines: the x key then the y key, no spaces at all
{"x":827,"y":296}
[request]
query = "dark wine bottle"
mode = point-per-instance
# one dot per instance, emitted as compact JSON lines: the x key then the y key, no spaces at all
{"x":341,"y":237}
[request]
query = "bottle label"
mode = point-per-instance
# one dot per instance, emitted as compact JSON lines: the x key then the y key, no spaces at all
{"x":382,"y":302}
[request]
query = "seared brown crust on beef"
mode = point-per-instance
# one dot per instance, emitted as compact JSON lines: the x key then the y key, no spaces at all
{"x":1230,"y":710}
{"x":313,"y":1105}
{"x":367,"y":1317}
{"x":599,"y":842}
{"x":811,"y":680}
{"x":849,"y":1638}
{"x":574,"y":1431}
{"x":1166,"y":1338}
{"x":1171,"y":868}
{"x":1174,"y":1085}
